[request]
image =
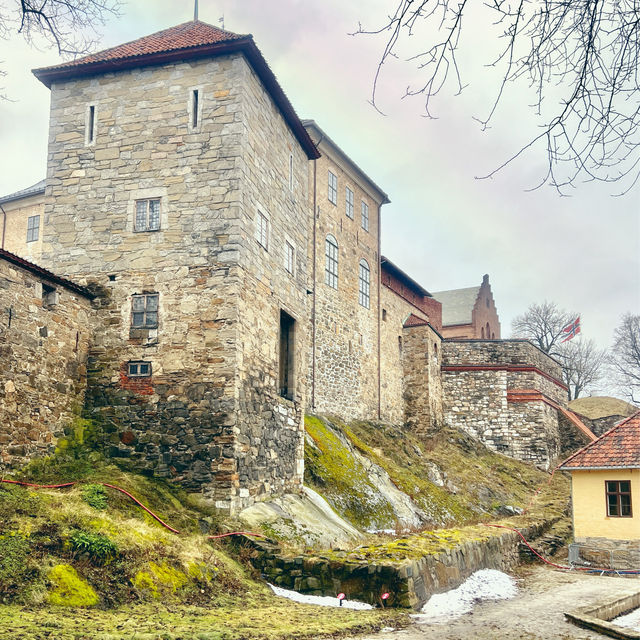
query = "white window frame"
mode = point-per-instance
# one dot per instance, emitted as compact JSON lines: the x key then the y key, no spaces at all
{"x":262,"y":230}
{"x":133,"y":369}
{"x":332,"y":187}
{"x":349,"y":202}
{"x":145,"y":309}
{"x":90,"y":125}
{"x":147,"y":225}
{"x":33,"y":231}
{"x":331,"y":253}
{"x":364,"y":212}
{"x":289,"y":256}
{"x":364,"y":284}
{"x":190,"y":110}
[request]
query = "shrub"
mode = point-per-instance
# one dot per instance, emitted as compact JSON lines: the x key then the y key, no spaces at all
{"x":95,"y":545}
{"x":95,"y":496}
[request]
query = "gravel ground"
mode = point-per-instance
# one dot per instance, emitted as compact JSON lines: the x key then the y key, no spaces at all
{"x":536,"y":613}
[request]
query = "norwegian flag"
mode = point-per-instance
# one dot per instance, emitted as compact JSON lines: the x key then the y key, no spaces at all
{"x":571,"y":330}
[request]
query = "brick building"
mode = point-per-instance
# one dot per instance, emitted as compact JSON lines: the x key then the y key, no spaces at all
{"x":233,"y":255}
{"x":469,"y":313}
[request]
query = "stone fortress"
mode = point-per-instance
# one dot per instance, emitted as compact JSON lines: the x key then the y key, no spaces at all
{"x":201,"y":267}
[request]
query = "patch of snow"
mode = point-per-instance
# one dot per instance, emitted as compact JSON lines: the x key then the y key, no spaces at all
{"x":486,"y":584}
{"x":629,"y":620}
{"x":322,"y":601}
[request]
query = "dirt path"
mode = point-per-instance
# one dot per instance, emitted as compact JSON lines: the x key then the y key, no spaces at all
{"x":536,"y":613}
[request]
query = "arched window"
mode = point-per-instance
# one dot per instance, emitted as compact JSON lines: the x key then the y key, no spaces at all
{"x":482,"y":332}
{"x":331,"y":261}
{"x":488,"y":332}
{"x":364,"y":284}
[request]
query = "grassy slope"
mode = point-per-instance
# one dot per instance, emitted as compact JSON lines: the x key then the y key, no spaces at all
{"x":601,"y":407}
{"x":478,"y":482}
{"x":121,"y":575}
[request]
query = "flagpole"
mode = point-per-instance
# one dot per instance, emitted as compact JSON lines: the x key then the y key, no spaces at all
{"x":195,"y":11}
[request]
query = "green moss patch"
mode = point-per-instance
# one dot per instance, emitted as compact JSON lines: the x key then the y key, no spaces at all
{"x":69,"y":589}
{"x":342,"y":479}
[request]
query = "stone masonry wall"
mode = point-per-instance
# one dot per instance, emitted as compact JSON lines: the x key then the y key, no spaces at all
{"x":422,"y":377}
{"x":345,"y":379}
{"x":270,"y":450}
{"x":476,"y":378}
{"x":43,"y":351}
{"x":187,"y":420}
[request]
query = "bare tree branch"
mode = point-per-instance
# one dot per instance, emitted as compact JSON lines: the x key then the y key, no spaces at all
{"x":588,"y":48}
{"x":625,"y":357}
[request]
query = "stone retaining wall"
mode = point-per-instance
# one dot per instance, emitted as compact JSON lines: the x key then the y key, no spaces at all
{"x":410,"y":582}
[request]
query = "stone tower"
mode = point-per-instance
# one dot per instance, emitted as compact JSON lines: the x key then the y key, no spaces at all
{"x":177,"y":186}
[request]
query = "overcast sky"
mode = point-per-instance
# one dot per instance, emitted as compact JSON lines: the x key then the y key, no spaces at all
{"x":443,"y":227}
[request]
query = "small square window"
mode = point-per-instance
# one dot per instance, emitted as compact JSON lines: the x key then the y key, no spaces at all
{"x":289,"y":257}
{"x":349,"y":203}
{"x":144,"y":311}
{"x":147,"y":215}
{"x":262,"y":230}
{"x":138,"y":369}
{"x":365,"y":216}
{"x":33,"y":228}
{"x":332,"y":193}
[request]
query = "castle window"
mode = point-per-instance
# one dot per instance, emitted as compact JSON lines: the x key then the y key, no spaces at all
{"x":488,"y":332}
{"x":364,"y":284}
{"x":384,"y":315}
{"x":147,"y":215}
{"x":195,"y":98}
{"x":290,"y":172}
{"x":139,"y":369}
{"x":33,"y":228}
{"x":262,"y":230}
{"x":365,"y":216}
{"x":144,"y":311}
{"x":618,"y":494}
{"x":90,"y":125}
{"x":287,"y":350}
{"x":349,"y":203}
{"x":331,"y":261}
{"x":333,"y":188}
{"x":289,"y":257}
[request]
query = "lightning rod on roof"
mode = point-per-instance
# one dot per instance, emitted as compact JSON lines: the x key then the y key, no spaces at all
{"x":221,"y":20}
{"x":195,"y":10}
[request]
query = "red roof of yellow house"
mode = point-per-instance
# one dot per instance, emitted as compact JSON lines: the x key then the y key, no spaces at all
{"x":618,"y":448}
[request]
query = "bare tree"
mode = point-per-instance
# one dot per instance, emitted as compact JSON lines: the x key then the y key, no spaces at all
{"x":583,"y":366}
{"x":587,"y":49}
{"x":543,"y":325}
{"x":625,"y":356}
{"x":63,"y":24}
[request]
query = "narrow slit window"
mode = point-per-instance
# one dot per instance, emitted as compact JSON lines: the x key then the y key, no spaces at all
{"x":194,"y":108}
{"x":290,"y":172}
{"x":289,"y":257}
{"x":91,"y":125}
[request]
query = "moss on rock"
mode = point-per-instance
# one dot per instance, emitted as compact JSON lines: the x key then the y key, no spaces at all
{"x":69,"y":589}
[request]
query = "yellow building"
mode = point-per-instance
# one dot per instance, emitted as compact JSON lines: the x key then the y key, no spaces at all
{"x":605,"y":481}
{"x":21,"y":222}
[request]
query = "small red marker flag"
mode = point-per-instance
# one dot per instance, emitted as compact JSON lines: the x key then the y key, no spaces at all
{"x":384,"y":596}
{"x":341,"y":597}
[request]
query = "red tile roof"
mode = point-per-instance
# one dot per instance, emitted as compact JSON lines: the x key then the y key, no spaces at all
{"x":187,"y":41}
{"x":183,"y":36}
{"x":415,"y":321}
{"x":618,"y":448}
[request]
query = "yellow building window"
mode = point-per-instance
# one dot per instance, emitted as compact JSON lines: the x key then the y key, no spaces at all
{"x":618,"y":498}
